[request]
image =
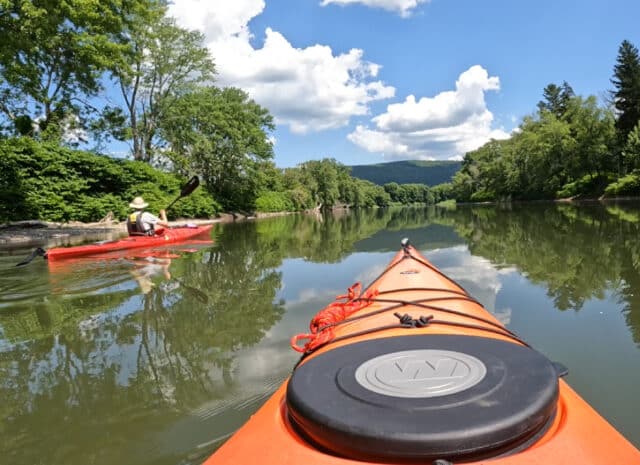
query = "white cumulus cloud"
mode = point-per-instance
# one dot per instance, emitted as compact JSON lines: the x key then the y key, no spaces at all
{"x":445,"y":126}
{"x":217,"y":19}
{"x":403,"y":7}
{"x":308,"y":89}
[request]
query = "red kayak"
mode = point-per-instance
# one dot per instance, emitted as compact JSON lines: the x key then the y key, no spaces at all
{"x":167,"y":236}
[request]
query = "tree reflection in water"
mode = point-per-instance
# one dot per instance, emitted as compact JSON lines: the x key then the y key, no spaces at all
{"x":576,"y":252}
{"x":117,"y":364}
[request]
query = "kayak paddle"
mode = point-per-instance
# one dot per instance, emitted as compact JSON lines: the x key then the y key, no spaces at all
{"x":187,"y":189}
{"x":39,"y":252}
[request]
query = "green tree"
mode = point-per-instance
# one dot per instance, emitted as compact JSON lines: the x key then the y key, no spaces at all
{"x":556,"y":99}
{"x":346,"y":185}
{"x":52,"y":57}
{"x":394,"y":191}
{"x":626,"y":96}
{"x":631,"y":152}
{"x":549,"y":156}
{"x":222,"y":134}
{"x":326,"y":187}
{"x":163,"y":63}
{"x":486,"y":172}
{"x":368,"y":194}
{"x":442,"y":192}
{"x":298,"y":185}
{"x":593,"y":132}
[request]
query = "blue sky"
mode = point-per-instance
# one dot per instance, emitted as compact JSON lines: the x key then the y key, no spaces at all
{"x":367,"y":81}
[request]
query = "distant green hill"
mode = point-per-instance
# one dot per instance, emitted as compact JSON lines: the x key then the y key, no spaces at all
{"x":405,"y":172}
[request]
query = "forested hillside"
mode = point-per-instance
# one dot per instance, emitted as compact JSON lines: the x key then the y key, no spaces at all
{"x":572,"y":147}
{"x":431,"y":173}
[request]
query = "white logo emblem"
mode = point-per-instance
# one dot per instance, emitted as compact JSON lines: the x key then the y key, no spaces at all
{"x":420,"y":373}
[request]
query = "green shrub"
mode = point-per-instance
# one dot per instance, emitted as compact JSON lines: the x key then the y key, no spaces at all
{"x":626,"y":185}
{"x":482,"y":196}
{"x":273,"y":202}
{"x":449,"y":204}
{"x":299,"y":198}
{"x":587,"y":185}
{"x":200,"y":204}
{"x":48,"y":182}
{"x":98,"y":207}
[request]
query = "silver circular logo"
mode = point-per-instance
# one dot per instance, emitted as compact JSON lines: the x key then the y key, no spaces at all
{"x":420,"y":373}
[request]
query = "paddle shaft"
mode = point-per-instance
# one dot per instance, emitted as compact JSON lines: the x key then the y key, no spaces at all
{"x":174,"y":201}
{"x":186,"y":190}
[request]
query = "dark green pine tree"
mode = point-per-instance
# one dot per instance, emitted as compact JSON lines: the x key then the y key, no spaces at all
{"x":626,"y":96}
{"x":550,"y":99}
{"x":556,"y":99}
{"x":566,"y":94}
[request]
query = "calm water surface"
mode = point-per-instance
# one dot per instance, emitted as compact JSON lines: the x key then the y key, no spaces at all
{"x":139,"y":360}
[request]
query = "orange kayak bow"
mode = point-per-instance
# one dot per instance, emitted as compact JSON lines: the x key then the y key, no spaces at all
{"x":414,"y":370}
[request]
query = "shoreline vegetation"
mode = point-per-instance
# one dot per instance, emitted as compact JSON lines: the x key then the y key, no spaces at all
{"x":31,"y":232}
{"x":48,"y":182}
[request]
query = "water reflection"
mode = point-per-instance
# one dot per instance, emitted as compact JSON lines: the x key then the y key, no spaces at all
{"x":148,"y":268}
{"x":159,"y":359}
{"x":95,"y":376}
{"x":577,"y":253}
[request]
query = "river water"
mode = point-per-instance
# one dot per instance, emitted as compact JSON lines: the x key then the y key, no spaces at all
{"x":142,"y":359}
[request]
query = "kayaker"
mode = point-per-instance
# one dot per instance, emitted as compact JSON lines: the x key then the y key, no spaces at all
{"x":142,"y":223}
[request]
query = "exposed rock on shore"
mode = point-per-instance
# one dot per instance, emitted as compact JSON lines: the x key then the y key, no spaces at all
{"x":34,"y":232}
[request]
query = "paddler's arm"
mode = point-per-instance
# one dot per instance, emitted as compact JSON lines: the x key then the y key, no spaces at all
{"x":163,"y":219}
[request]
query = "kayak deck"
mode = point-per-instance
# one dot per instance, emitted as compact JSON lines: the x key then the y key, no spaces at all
{"x":346,"y":403}
{"x":168,"y":236}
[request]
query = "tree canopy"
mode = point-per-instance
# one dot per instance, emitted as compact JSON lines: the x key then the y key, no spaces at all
{"x":222,"y":134}
{"x":53,"y":56}
{"x":163,"y":63}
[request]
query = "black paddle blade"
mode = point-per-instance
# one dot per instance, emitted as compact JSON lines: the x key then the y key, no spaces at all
{"x":38,"y":252}
{"x":186,"y":190}
{"x":190,"y":186}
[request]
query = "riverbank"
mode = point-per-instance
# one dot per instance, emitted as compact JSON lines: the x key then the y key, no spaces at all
{"x":35,"y":232}
{"x":567,"y":200}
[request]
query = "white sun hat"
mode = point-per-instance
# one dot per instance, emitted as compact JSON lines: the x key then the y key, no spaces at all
{"x":138,"y":203}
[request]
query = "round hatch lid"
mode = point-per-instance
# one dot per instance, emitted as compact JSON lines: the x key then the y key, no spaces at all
{"x":423,"y":397}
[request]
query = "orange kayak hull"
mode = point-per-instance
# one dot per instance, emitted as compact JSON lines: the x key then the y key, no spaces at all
{"x":574,"y":434}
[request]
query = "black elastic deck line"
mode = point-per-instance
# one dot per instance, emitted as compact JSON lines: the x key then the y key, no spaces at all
{"x":461,"y":294}
{"x":428,"y":322}
{"x":417,"y":303}
{"x":420,"y":303}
